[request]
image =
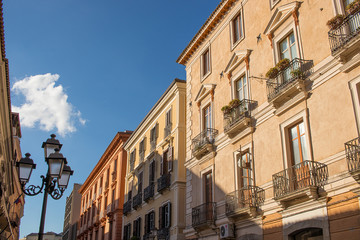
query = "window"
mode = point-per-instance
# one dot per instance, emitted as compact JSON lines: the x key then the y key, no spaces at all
{"x":244,"y":170}
{"x":130,"y":191}
{"x":149,"y":222}
{"x":205,"y":63}
{"x":166,"y":161}
{"x":137,"y":228}
{"x":115,"y":165}
{"x":107,"y":177}
{"x":167,"y":129}
{"x":132,"y":160}
{"x":142,"y":150}
{"x":101,"y":184}
{"x":140,"y":182}
{"x":152,"y":173}
{"x":153,"y":137}
{"x":241,"y":88}
{"x":287,"y":47}
{"x":236,"y":29}
{"x":207,"y":123}
{"x":165,"y":216}
{"x":208,"y":187}
{"x":127,"y":231}
{"x":298,"y":143}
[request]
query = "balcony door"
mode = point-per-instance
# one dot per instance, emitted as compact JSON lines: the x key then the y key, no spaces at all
{"x":241,"y":88}
{"x":288,"y":50}
{"x":299,"y":170}
{"x":245,"y":179}
{"x":207,"y":124}
{"x":208,"y":184}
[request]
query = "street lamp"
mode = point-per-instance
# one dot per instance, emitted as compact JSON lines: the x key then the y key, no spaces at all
{"x":58,"y":174}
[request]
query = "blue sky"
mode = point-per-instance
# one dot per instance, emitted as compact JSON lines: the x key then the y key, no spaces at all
{"x":86,"y":69}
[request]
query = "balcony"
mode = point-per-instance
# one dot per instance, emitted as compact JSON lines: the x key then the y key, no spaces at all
{"x":344,"y":38}
{"x":163,"y":182}
{"x":163,"y":233}
{"x":137,"y":201}
{"x":204,"y":216}
{"x":127,"y":207}
{"x":167,"y":130}
{"x":302,"y":180}
{"x":244,"y":202}
{"x":352,"y":150}
{"x":203,"y":143}
{"x":288,"y":82}
{"x":237,"y":118}
{"x":149,"y":192}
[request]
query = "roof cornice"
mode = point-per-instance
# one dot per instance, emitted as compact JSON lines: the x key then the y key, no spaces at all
{"x":212,"y":21}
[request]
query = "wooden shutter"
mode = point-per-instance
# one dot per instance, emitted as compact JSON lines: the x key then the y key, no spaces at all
{"x":168,"y":215}
{"x":146,"y":223}
{"x":152,"y":220}
{"x":160,"y":217}
{"x":170,"y":158}
{"x":162,"y":164}
{"x":139,"y":227}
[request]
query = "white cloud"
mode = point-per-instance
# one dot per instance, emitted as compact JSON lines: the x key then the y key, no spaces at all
{"x":46,"y":104}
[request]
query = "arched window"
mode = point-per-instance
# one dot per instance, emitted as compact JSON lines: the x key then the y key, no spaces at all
{"x":307,"y":234}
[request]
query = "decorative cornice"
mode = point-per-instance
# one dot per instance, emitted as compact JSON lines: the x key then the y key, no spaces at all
{"x":215,"y":18}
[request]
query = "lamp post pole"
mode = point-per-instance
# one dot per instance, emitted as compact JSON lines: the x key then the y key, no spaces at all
{"x":58,"y":174}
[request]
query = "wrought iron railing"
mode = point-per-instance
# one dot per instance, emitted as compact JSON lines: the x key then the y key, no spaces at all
{"x":249,"y":196}
{"x":235,"y":115}
{"x":163,"y":233}
{"x":346,"y":31}
{"x":167,"y":130}
{"x":300,"y":176}
{"x":163,"y":182}
{"x":207,"y":136}
{"x":297,"y":69}
{"x":149,"y":192}
{"x":352,"y":150}
{"x":127,"y":207}
{"x":204,"y":214}
{"x":137,"y":200}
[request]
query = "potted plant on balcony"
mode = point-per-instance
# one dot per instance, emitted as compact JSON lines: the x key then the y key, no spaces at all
{"x":353,"y":7}
{"x":283,"y":64}
{"x":297,"y":73}
{"x":272,"y":72}
{"x":234,"y":103}
{"x":335,"y":21}
{"x":226,"y":109}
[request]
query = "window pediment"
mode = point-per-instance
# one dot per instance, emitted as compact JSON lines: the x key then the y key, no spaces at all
{"x":280,"y":15}
{"x":204,"y":91}
{"x":237,"y":58}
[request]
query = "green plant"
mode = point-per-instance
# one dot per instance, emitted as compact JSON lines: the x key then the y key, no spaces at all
{"x":226,"y":109}
{"x":297,"y":73}
{"x":335,"y":21}
{"x":272,"y":72}
{"x":282,"y":64}
{"x":353,"y":7}
{"x":234,"y":103}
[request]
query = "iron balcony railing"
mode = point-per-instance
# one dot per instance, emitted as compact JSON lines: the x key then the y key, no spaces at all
{"x":167,"y":130}
{"x":163,"y":182}
{"x":300,"y":176}
{"x":236,"y":114}
{"x":163,"y":233}
{"x":352,"y":150}
{"x":137,"y":200}
{"x":297,"y":69}
{"x":207,"y":136}
{"x":249,"y":196}
{"x":149,"y":192}
{"x":127,"y":207}
{"x":346,"y":31}
{"x":204,"y":214}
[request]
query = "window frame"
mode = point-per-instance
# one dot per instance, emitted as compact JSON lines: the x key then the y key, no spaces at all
{"x":204,"y":75}
{"x":202,"y":174}
{"x":302,"y":116}
{"x":205,"y":104}
{"x":273,"y":3}
{"x":238,"y":14}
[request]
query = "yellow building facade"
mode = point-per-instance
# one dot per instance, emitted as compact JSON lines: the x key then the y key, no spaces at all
{"x":154,"y":204}
{"x":272,"y":116}
{"x":102,"y":194}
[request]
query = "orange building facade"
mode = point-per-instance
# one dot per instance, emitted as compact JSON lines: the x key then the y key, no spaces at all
{"x":103,"y":194}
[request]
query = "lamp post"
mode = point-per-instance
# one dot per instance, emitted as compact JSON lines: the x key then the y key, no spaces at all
{"x":56,"y":180}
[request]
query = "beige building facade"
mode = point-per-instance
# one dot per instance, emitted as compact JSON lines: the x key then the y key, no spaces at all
{"x":273,"y":119}
{"x":11,"y":197}
{"x":154,"y":204}
{"x":102,"y":194}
